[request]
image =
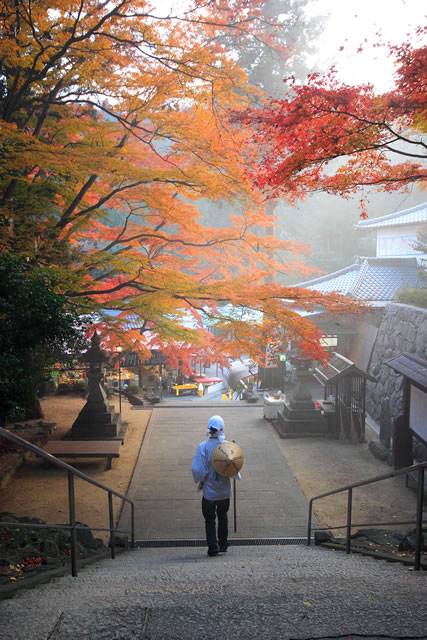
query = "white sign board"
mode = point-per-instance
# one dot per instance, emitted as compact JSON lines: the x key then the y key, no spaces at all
{"x":418,"y":413}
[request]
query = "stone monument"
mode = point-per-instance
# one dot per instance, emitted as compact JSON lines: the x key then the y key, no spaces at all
{"x":97,"y":420}
{"x":299,"y":416}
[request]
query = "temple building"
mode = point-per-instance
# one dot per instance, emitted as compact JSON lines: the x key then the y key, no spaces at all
{"x":373,"y":280}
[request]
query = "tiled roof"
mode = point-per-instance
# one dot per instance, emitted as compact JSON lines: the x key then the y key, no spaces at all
{"x":410,"y":366}
{"x":414,"y":215}
{"x":131,"y":359}
{"x":341,"y":281}
{"x":374,"y":280}
{"x":337,"y":368}
{"x":380,"y":278}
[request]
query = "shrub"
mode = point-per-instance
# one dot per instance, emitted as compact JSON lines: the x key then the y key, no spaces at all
{"x":133,"y":388}
{"x":38,"y":327}
{"x":76,"y":386}
{"x":416,"y":297}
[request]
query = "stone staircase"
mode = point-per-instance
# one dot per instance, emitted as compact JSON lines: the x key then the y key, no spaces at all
{"x":262,"y":592}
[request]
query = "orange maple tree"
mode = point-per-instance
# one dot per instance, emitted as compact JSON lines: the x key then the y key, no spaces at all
{"x":325,"y":120}
{"x":113,"y":129}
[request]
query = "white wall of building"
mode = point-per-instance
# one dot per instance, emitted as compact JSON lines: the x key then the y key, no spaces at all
{"x":397,"y":241}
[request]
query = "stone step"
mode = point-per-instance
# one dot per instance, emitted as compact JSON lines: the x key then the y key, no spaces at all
{"x":260,"y":592}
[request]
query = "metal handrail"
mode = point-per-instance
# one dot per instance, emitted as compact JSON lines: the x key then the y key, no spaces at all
{"x":73,"y":526}
{"x":419,"y":468}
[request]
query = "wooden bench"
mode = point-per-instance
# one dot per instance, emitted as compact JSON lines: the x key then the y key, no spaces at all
{"x":84,"y":449}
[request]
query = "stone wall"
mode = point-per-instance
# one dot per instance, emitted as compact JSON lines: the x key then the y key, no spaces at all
{"x":12,"y":456}
{"x":404,"y":328}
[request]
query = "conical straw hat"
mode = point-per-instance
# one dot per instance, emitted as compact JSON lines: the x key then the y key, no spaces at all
{"x":227,"y":459}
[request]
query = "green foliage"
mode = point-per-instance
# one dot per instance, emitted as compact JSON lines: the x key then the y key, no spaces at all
{"x":267,"y":66}
{"x":421,"y":245}
{"x":76,"y":387}
{"x":38,"y":326}
{"x":133,"y":388}
{"x":416,"y":297}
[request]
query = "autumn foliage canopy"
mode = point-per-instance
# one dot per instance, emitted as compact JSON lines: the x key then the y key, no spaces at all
{"x":340,"y":139}
{"x":113,"y":130}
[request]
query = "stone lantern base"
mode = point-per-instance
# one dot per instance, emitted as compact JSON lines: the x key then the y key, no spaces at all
{"x":97,"y":420}
{"x":293,"y":423}
{"x":299,"y":416}
{"x":97,"y":425}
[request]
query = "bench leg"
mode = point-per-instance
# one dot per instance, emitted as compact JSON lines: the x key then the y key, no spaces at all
{"x":109,"y":461}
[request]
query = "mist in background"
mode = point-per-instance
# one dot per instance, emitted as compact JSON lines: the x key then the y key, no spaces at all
{"x":313,"y":33}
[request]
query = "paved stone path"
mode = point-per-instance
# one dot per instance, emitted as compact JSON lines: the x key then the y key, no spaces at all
{"x":252,"y":592}
{"x":270,"y":503}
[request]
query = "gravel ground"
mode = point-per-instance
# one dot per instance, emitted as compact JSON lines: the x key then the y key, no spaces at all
{"x":251,"y":592}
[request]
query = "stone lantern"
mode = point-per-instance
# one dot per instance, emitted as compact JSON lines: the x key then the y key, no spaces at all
{"x":300,"y":416}
{"x":301,"y":398}
{"x":97,"y":420}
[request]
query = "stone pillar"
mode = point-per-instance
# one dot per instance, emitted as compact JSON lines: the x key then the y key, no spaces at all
{"x":97,"y":420}
{"x":300,"y":417}
{"x":301,"y":399}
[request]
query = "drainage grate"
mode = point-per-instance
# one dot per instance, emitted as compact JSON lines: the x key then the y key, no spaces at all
{"x":241,"y":542}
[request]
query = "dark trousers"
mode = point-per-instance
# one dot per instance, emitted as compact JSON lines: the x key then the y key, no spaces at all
{"x":212,"y":509}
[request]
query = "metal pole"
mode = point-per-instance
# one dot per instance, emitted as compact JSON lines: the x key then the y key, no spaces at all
{"x":235,"y":502}
{"x":112,"y":533}
{"x":72,"y":512}
{"x":282,"y":382}
{"x":419,"y":525}
{"x":120,"y":385}
{"x":235,"y":505}
{"x":132,"y":522}
{"x":349,"y":505}
{"x":310,"y":511}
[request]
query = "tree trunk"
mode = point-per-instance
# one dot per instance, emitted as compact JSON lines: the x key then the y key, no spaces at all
{"x":32,"y":406}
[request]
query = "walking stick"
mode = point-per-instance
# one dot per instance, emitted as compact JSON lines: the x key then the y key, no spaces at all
{"x":235,"y":505}
{"x":227,"y":460}
{"x":235,"y":502}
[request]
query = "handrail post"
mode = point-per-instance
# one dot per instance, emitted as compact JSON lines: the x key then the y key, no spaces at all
{"x":419,"y":524}
{"x":72,"y":511}
{"x":112,"y":532}
{"x":72,"y":473}
{"x":349,"y":508}
{"x":310,"y":511}
{"x":132,"y":523}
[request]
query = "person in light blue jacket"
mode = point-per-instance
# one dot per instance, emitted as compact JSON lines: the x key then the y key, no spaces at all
{"x":216,"y":488}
